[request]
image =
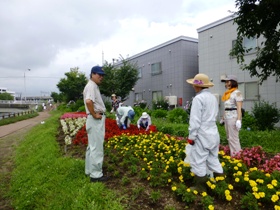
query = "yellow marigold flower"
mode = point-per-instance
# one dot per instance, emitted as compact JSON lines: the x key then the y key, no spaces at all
{"x":239,"y":164}
{"x":270,"y":186}
{"x":145,"y":159}
{"x":257,"y":196}
{"x":274,"y":198}
{"x":254,"y":169}
{"x":143,"y":169}
{"x":195,"y":192}
{"x":181,"y":178}
{"x":204,"y":194}
{"x":239,"y":173}
{"x":235,"y":168}
{"x":255,"y":189}
{"x":260,"y":181}
{"x":213,"y":186}
{"x":192,"y":174}
{"x":223,"y":164}
{"x":274,"y":182}
{"x":228,"y":197}
{"x":267,"y":174}
{"x":179,"y":170}
{"x":148,"y":178}
{"x":188,"y":190}
{"x":237,"y":179}
{"x":209,"y":183}
{"x":276,"y":207}
{"x":169,"y":180}
{"x":211,"y":207}
{"x":227,"y":192}
{"x":246,"y":179}
{"x":174,"y":188}
{"x":230,"y":187}
{"x":252,"y":183}
{"x":262,"y":194}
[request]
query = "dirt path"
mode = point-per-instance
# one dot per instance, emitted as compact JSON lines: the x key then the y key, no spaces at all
{"x":10,"y":136}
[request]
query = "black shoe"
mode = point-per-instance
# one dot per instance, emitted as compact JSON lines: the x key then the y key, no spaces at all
{"x":101,"y":179}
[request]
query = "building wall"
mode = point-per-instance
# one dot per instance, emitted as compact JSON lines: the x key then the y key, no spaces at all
{"x":179,"y":62}
{"x":215,"y":43}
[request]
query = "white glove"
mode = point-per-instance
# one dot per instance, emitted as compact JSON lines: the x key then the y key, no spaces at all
{"x":238,"y":124}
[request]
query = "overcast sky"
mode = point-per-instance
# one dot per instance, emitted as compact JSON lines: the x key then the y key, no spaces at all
{"x":51,"y":36}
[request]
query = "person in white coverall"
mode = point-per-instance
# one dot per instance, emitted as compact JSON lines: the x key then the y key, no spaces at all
{"x":144,"y":121}
{"x":124,"y":116}
{"x":203,"y":132}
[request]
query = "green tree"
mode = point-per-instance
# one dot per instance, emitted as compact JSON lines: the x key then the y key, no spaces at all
{"x":71,"y":87}
{"x":56,"y":96}
{"x":119,"y":79}
{"x":256,"y":18}
{"x":6,"y":96}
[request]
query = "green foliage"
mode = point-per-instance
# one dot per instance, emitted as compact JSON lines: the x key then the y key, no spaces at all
{"x":253,"y":21}
{"x":119,"y":79}
{"x":155,"y":196}
{"x":160,"y":104}
{"x":266,"y":115}
{"x":6,"y":96}
{"x":159,"y":113}
{"x":249,"y":122}
{"x":71,"y":87}
{"x":74,"y":107}
{"x":177,"y":115}
{"x":108,"y":105}
{"x":56,"y":97}
{"x":249,"y":202}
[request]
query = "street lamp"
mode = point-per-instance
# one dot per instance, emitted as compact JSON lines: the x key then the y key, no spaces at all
{"x":24,"y":84}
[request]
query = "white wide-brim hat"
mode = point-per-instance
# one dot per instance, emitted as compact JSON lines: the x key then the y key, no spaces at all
{"x":200,"y":80}
{"x":145,"y":115}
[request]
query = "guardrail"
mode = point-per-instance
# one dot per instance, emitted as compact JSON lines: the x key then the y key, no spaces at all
{"x":16,"y":114}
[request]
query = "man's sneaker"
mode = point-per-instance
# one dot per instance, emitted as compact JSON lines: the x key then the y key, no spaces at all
{"x":101,"y":179}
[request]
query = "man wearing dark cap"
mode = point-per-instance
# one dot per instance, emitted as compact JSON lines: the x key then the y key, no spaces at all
{"x":95,"y":126}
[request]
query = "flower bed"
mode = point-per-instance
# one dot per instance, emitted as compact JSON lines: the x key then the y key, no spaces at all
{"x":158,"y":159}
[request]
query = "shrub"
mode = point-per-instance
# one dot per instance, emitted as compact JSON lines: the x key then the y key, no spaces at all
{"x":160,"y":104}
{"x":249,"y":122}
{"x":159,"y":113}
{"x":177,"y":115}
{"x":266,"y":115}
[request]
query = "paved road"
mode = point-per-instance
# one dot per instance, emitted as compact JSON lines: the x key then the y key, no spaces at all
{"x":11,"y":128}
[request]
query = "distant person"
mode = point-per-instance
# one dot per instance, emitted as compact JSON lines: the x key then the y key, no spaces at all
{"x":203,"y":133}
{"x":144,"y":121}
{"x":124,"y":116}
{"x":95,"y":126}
{"x":115,"y":103}
{"x":232,"y":116}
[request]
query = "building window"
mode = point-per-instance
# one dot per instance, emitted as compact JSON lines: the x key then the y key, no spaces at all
{"x":249,"y":90}
{"x":249,"y":44}
{"x":156,"y":68}
{"x":140,"y":73}
{"x":138,"y":96}
{"x":157,"y":95}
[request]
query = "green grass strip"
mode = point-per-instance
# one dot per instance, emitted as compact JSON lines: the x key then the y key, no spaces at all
{"x":44,"y":179}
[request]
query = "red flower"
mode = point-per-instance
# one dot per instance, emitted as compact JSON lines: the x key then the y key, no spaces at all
{"x":111,"y":130}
